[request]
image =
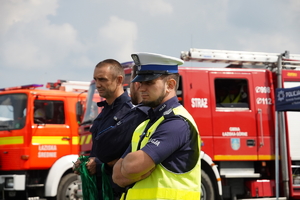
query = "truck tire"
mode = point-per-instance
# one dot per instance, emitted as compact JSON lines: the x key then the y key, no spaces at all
{"x":207,"y":189}
{"x":67,"y":187}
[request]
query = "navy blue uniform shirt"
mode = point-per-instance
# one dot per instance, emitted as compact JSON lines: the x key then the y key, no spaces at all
{"x":112,"y":132}
{"x":106,"y":119}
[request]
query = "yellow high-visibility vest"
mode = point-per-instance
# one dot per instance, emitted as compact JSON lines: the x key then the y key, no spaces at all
{"x":163,"y":184}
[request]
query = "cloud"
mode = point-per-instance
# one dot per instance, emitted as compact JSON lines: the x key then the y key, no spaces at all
{"x":293,"y":17}
{"x":15,"y":12}
{"x":120,"y":36}
{"x":31,"y":41}
{"x":213,"y":15}
{"x":263,"y":43}
{"x":51,"y":39}
{"x":154,"y":7}
{"x":157,"y":7}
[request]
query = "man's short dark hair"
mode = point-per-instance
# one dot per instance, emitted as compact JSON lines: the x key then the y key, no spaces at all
{"x":174,"y":76}
{"x":114,"y":65}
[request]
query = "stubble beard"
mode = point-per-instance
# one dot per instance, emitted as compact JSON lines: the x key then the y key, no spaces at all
{"x":108,"y":93}
{"x":157,"y":102}
{"x":103,"y":94}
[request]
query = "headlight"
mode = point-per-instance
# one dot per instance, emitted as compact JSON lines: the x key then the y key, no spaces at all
{"x":9,"y":183}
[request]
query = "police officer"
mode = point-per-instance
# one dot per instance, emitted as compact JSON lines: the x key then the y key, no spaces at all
{"x":163,"y":161}
{"x":113,"y":127}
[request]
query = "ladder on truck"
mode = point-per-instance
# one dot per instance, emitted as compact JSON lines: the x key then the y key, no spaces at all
{"x":274,"y":61}
{"x":241,"y":57}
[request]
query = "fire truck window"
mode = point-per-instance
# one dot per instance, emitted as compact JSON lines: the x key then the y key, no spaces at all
{"x":231,"y":93}
{"x":12,"y":114}
{"x":49,"y":112}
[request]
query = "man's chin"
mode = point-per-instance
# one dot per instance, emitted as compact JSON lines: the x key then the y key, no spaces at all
{"x":102,"y":94}
{"x":151,"y":104}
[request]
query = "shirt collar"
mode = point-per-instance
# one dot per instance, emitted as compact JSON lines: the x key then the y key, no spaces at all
{"x":167,"y":105}
{"x":119,"y":100}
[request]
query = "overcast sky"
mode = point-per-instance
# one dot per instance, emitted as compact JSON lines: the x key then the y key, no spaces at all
{"x":45,"y":40}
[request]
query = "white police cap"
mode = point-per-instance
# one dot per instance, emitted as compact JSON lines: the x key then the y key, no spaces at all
{"x":151,"y":66}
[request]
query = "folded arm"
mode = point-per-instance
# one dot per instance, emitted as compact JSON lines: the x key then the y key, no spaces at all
{"x":133,"y":167}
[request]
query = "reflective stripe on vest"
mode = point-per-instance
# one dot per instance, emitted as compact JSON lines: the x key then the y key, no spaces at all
{"x":162,"y":183}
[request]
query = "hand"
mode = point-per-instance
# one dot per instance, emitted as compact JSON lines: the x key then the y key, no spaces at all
{"x":91,"y":165}
{"x":76,"y":167}
{"x":112,"y":163}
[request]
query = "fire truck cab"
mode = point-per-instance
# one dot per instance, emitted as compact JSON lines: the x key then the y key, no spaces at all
{"x":39,"y":140}
{"x":234,"y":108}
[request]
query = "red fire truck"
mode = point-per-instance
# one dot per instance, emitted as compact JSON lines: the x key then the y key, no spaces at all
{"x":39,"y":140}
{"x":234,"y":108}
{"x":241,"y":132}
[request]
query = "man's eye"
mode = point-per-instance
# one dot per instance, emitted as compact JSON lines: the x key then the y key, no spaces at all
{"x":148,"y":82}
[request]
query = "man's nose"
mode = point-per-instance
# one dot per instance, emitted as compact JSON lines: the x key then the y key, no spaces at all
{"x":98,"y":84}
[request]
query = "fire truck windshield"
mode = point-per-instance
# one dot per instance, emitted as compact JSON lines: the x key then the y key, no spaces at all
{"x":92,"y":110}
{"x":12,"y":111}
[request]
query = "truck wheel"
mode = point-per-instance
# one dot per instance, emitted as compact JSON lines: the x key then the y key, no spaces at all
{"x":68,"y":187}
{"x":207,"y":189}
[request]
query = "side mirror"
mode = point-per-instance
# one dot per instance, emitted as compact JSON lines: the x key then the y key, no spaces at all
{"x":79,"y":111}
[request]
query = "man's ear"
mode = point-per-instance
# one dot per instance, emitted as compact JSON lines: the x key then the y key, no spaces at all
{"x":171,"y":84}
{"x":120,"y":79}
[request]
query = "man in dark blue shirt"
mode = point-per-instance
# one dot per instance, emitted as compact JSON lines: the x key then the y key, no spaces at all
{"x":113,"y":127}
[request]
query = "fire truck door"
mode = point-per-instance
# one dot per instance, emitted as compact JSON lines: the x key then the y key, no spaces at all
{"x":234,"y":122}
{"x":51,"y":137}
{"x":293,"y":127}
